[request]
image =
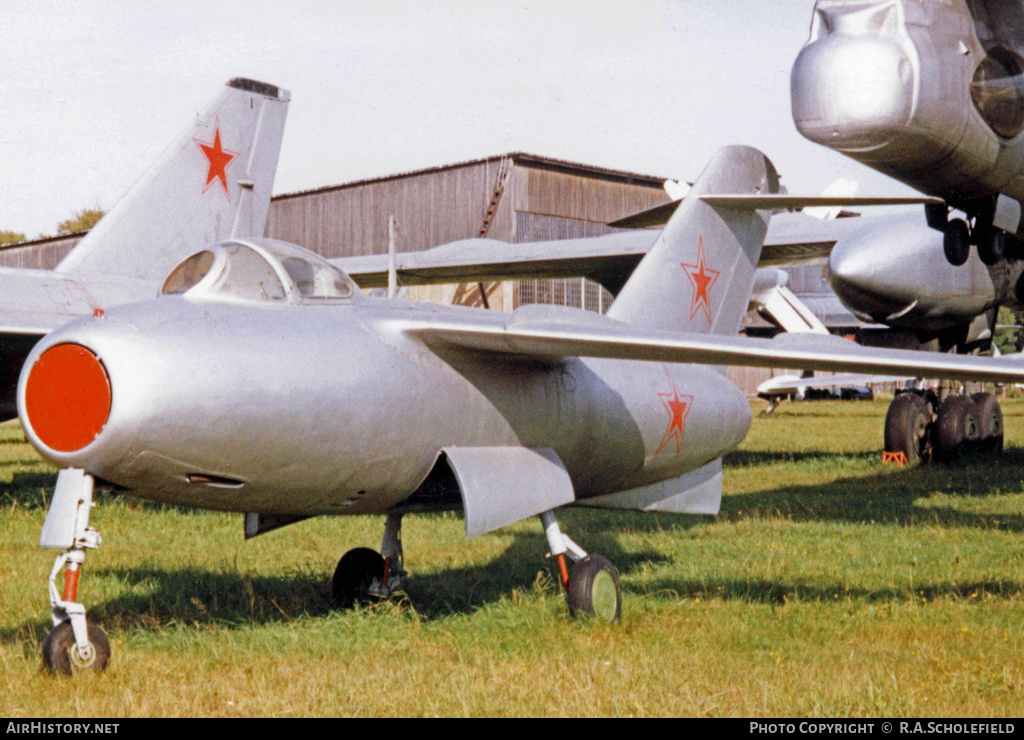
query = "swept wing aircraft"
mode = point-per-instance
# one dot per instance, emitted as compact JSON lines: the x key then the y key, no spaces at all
{"x":262,"y":381}
{"x":932,"y":94}
{"x":214,"y":181}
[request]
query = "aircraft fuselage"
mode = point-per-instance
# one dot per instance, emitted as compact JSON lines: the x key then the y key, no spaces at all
{"x":335,"y":410}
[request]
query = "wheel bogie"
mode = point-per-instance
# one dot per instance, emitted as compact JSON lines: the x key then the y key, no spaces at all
{"x":921,"y":428}
{"x":990,"y":422}
{"x":956,"y":431}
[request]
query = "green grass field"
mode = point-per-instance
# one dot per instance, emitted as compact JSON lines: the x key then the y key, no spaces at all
{"x":829,"y":585}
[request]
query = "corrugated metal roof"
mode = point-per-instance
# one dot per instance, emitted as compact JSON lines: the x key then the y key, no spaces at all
{"x":529,"y":160}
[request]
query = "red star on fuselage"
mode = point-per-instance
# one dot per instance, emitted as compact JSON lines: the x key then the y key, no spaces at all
{"x":218,"y":159}
{"x":701,"y":278}
{"x":678,"y":407}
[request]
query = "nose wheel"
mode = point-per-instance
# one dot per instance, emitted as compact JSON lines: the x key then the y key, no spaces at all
{"x":364,"y":575}
{"x":62,"y":653}
{"x":956,"y":242}
{"x":957,"y":236}
{"x":74,"y":645}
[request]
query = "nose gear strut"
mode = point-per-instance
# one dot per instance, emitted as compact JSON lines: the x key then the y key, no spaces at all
{"x":73,"y":644}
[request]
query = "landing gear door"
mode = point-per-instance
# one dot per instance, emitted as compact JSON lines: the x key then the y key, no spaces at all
{"x":504,"y":485}
{"x":71,"y":501}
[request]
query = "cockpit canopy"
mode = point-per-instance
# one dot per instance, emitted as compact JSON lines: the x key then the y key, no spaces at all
{"x":259,"y":270}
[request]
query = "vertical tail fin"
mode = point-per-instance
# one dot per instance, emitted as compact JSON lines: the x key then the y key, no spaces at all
{"x":699,"y":274}
{"x":213,"y":182}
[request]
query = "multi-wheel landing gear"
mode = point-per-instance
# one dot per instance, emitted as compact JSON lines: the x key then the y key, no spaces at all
{"x":958,"y":236}
{"x":74,"y":644}
{"x":591,"y":584}
{"x":920,"y":428}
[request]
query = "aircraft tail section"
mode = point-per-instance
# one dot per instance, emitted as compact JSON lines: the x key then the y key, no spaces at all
{"x":212,"y":183}
{"x":698,"y":276}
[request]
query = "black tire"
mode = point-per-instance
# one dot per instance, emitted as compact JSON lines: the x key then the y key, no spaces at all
{"x":956,"y":242}
{"x":906,"y":427}
{"x":956,"y":430}
{"x":60,"y":652}
{"x":990,"y":422}
{"x":991,"y":245}
{"x":594,"y":589}
{"x":354,"y":575}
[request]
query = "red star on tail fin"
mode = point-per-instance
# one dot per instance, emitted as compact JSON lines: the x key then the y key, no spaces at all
{"x":701,"y":278}
{"x":218,"y":158}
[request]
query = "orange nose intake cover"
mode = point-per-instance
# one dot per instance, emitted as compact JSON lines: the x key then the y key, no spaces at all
{"x":67,"y":397}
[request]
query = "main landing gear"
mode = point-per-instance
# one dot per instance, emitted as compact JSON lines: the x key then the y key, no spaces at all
{"x":591,"y":584}
{"x":921,"y":428}
{"x":74,"y":645}
{"x":958,"y":236}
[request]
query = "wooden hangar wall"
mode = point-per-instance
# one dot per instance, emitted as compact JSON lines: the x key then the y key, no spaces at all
{"x":515,"y":197}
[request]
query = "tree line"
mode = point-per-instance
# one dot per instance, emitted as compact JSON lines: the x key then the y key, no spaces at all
{"x":82,"y":220}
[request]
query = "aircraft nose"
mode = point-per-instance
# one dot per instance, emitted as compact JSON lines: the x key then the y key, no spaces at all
{"x":869,"y":280}
{"x":851,"y":92}
{"x":67,"y":397}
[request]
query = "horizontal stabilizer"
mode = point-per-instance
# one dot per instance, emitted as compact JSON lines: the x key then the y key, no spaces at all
{"x":660,"y":215}
{"x":608,"y":260}
{"x":787,"y":384}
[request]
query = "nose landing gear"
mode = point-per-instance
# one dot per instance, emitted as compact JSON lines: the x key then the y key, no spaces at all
{"x":74,"y":644}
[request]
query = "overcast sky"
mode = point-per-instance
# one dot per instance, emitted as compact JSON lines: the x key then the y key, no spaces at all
{"x":92,"y":91}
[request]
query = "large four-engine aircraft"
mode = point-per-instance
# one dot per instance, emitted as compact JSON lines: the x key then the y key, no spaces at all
{"x":932,"y":94}
{"x":263,"y":381}
{"x":213,"y":182}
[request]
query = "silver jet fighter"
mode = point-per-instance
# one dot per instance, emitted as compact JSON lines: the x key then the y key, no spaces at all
{"x":214,"y":181}
{"x":932,"y":94}
{"x":262,"y":381}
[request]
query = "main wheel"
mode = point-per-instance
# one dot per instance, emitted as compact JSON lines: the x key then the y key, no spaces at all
{"x":956,"y":242}
{"x":906,"y":426}
{"x":594,"y":589}
{"x":991,"y":245}
{"x":956,"y":430}
{"x":356,"y":572}
{"x":61,"y":655}
{"x":990,"y":422}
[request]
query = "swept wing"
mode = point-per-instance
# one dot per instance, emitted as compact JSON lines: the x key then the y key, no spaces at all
{"x":548,"y":337}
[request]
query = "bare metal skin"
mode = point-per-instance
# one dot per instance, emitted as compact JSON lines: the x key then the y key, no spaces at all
{"x":931,"y":94}
{"x":262,"y":381}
